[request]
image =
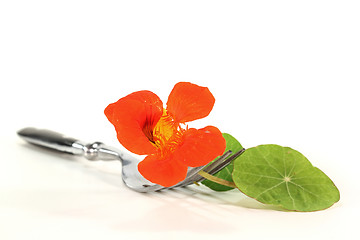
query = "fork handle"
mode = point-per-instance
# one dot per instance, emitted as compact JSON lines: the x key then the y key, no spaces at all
{"x":59,"y":142}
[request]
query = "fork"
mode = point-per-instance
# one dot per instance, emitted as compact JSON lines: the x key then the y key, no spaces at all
{"x":99,"y":151}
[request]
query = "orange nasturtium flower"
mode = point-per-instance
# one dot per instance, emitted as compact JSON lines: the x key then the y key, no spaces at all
{"x":144,"y":127}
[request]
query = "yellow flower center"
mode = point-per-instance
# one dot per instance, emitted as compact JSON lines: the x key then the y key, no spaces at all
{"x":166,"y":134}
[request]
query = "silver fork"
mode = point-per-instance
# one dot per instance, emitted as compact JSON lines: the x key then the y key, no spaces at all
{"x":99,"y":151}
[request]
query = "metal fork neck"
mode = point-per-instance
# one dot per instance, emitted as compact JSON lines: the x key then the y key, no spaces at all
{"x":59,"y":142}
{"x":99,"y":151}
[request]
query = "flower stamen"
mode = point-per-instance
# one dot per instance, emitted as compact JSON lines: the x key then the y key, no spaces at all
{"x":166,"y":134}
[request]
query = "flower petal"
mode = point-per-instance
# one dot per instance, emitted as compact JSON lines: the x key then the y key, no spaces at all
{"x":200,"y":146}
{"x":188,"y":102}
{"x":163,"y":171}
{"x":134,"y":117}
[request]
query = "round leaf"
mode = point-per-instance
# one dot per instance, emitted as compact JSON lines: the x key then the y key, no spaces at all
{"x":282,"y":176}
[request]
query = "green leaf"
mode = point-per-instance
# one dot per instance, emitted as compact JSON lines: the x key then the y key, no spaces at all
{"x":282,"y":176}
{"x":233,"y":145}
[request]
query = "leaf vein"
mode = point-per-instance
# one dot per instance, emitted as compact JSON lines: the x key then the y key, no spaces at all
{"x":264,"y":176}
{"x":305,"y":189}
{"x":253,"y":183}
{"x":284,"y":162}
{"x":270,"y":164}
{"x":292,"y":168}
{"x":276,"y":185}
{"x":292,"y":199}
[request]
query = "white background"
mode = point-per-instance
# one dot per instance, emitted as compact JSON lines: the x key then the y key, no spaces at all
{"x":283,"y":72}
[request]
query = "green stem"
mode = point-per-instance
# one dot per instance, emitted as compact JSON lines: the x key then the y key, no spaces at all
{"x":216,"y":179}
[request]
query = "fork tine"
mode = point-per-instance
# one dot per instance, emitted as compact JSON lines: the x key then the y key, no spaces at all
{"x":219,"y":166}
{"x":193,"y":173}
{"x":217,"y":162}
{"x":226,"y":162}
